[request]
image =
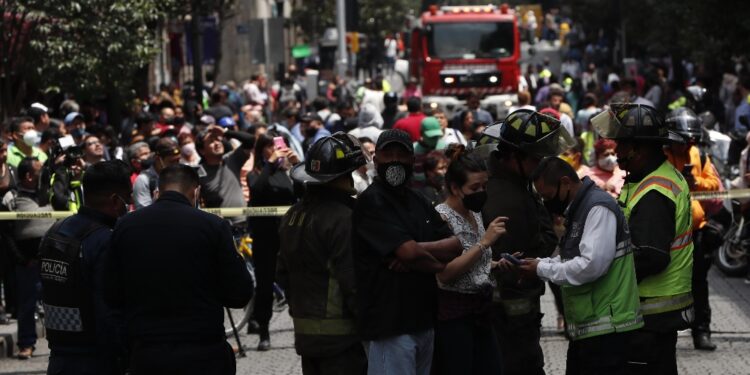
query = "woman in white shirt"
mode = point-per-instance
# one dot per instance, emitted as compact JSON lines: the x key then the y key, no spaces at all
{"x":464,"y":340}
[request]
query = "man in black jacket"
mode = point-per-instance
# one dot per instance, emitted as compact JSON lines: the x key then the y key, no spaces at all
{"x":172,"y":270}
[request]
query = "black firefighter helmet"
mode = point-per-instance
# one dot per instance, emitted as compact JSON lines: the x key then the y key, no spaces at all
{"x":623,"y":121}
{"x":329,"y":158}
{"x":534,"y":133}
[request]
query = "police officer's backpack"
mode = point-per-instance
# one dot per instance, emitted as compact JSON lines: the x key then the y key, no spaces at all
{"x":68,"y":301}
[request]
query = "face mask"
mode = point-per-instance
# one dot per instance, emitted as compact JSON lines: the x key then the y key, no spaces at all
{"x":475,"y":201}
{"x":437,"y":180}
{"x":430,"y":142}
{"x":78,"y":132}
{"x":556,"y":205}
{"x":607,"y":163}
{"x":146,"y":164}
{"x":310,"y":132}
{"x":126,"y":207}
{"x":188,"y":149}
{"x":29,"y":138}
{"x":395,"y":174}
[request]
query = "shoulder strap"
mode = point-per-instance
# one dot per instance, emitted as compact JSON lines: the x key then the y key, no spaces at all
{"x":703,"y":158}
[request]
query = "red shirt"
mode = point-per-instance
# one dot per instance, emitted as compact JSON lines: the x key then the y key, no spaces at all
{"x":411,"y":124}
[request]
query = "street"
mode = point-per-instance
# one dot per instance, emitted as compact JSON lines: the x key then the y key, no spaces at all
{"x":730,"y":300}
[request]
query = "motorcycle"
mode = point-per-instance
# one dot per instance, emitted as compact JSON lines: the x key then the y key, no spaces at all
{"x":732,"y":256}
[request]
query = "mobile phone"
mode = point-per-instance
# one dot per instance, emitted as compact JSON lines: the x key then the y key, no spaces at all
{"x":512,"y":259}
{"x":279,"y":143}
{"x":687,"y":169}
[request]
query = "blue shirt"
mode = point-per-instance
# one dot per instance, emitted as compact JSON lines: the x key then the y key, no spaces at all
{"x":742,"y":110}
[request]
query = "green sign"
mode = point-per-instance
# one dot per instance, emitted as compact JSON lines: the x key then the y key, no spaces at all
{"x":301,"y":51}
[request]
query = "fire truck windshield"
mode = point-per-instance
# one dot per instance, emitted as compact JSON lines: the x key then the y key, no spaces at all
{"x":449,"y":40}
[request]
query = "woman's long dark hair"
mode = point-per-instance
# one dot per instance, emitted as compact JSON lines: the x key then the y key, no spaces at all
{"x":462,"y":162}
{"x":261,"y":142}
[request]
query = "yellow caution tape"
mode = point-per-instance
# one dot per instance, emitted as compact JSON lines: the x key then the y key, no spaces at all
{"x":275,"y":211}
{"x":268,"y":211}
{"x":729,"y":194}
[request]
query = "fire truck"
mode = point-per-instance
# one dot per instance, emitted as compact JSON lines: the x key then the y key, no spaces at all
{"x":455,"y":49}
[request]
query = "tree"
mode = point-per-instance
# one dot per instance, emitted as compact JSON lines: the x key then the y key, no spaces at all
{"x":17,"y":28}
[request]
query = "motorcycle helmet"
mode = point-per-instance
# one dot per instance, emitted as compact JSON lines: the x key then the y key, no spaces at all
{"x":684,"y":122}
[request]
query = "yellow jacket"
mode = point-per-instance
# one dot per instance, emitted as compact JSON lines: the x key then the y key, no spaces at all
{"x":705,"y":177}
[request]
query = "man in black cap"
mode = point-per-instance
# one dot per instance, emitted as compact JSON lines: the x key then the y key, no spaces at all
{"x":315,"y":265}
{"x":400,"y":242}
{"x":167,"y":153}
{"x":312,"y":128}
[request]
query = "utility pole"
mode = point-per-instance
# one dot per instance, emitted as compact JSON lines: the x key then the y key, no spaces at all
{"x":342,"y":63}
{"x":196,"y":49}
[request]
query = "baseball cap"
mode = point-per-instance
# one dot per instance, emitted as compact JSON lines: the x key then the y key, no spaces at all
{"x":39,"y":107}
{"x":166,"y":147}
{"x":394,"y":136}
{"x":72,"y":116}
{"x":431,"y":127}
{"x":226,"y":122}
{"x":207,"y":120}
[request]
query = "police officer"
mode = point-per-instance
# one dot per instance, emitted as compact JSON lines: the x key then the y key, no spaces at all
{"x":656,"y":201}
{"x":83,"y":333}
{"x":315,"y":259}
{"x":594,"y":269}
{"x":172,"y":269}
{"x":700,"y":175}
{"x":524,"y":139}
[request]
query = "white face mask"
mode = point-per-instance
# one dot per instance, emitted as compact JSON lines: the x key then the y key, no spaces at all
{"x":30,"y":137}
{"x":608,"y":163}
{"x":188,"y":150}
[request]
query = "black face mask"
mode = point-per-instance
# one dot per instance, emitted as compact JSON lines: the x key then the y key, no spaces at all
{"x":556,"y":205}
{"x":146,"y":164}
{"x":395,"y":174}
{"x":310,"y":132}
{"x":475,"y":201}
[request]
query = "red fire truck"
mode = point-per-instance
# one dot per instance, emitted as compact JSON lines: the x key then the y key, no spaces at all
{"x":458,"y":48}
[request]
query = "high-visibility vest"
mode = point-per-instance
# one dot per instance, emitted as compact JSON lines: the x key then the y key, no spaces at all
{"x":670,"y":289}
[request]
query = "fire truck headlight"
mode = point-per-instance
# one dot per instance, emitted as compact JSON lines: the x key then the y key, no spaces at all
{"x":508,"y":103}
{"x":493,"y":79}
{"x":449,"y":80}
{"x":433,"y":105}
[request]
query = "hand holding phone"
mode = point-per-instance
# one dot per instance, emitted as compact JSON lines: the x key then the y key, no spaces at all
{"x":512,"y":259}
{"x":279,"y":144}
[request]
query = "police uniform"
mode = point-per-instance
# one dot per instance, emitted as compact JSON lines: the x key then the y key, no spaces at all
{"x":84,"y":334}
{"x":315,"y":265}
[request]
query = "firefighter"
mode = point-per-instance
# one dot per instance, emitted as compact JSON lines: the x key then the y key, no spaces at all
{"x":523,"y":140}
{"x":315,"y":265}
{"x":700,"y":175}
{"x":656,"y":202}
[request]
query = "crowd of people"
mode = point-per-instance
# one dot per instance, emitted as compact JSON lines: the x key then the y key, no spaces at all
{"x":427,"y":235}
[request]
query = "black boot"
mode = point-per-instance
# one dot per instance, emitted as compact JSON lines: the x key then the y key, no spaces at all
{"x":702,"y":341}
{"x":265,"y":339}
{"x":253,"y":327}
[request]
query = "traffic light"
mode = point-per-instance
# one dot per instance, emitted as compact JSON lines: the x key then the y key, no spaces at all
{"x":352,"y":15}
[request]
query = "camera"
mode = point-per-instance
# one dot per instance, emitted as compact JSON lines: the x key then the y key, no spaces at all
{"x":66,"y":145}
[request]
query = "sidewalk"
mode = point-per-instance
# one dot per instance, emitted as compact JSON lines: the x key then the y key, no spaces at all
{"x":730,"y":300}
